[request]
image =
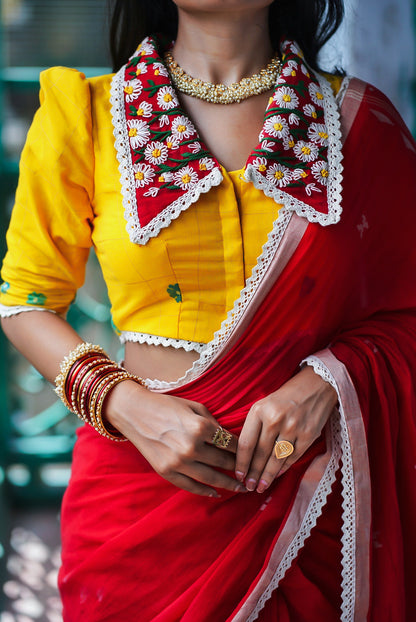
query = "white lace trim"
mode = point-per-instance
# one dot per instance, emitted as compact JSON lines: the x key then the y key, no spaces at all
{"x":156,"y":340}
{"x":348,"y":505}
{"x":311,"y":516}
{"x":339,"y":98}
{"x":222,"y":336}
{"x":137,"y":233}
{"x":335,"y":169}
{"x":6,"y":311}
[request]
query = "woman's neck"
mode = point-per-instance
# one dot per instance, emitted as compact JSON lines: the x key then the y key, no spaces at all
{"x":223,"y":48}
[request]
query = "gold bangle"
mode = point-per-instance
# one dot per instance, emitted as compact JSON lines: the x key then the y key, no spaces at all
{"x":99,"y":405}
{"x":66,"y":364}
{"x":84,"y":386}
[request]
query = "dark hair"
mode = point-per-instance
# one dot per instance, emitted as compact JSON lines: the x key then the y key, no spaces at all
{"x":308,"y":22}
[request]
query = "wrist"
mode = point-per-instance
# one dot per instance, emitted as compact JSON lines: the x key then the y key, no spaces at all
{"x":120,"y":401}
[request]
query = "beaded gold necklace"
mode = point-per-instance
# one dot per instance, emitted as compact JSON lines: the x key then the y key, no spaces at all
{"x":221,"y":93}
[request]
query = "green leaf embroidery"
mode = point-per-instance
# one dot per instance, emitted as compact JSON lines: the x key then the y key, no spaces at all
{"x":174,"y":292}
{"x":36,"y":299}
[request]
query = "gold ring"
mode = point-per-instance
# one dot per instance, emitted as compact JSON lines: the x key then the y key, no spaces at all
{"x":283,"y":449}
{"x":221,"y":438}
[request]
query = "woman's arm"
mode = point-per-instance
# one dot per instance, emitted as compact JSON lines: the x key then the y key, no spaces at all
{"x":172,"y":434}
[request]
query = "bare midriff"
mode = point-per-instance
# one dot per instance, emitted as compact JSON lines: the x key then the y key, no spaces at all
{"x":163,"y":363}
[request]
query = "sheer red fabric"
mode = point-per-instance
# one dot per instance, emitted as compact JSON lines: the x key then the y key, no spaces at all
{"x":137,"y":548}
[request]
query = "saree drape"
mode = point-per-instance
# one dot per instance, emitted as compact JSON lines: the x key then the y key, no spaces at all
{"x":333,"y":538}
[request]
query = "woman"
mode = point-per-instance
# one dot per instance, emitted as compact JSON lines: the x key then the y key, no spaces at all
{"x":268,"y":470}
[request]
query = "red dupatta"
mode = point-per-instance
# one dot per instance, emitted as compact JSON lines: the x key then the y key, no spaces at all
{"x":333,"y":538}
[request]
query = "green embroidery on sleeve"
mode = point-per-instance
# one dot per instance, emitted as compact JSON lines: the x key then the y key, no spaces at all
{"x":36,"y":299}
{"x":5,"y":287}
{"x":174,"y":292}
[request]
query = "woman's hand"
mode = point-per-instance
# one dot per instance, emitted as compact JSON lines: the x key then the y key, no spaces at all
{"x":174,"y":435}
{"x":297,"y":412}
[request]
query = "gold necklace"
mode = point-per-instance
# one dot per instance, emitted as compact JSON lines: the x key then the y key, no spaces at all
{"x":221,"y":93}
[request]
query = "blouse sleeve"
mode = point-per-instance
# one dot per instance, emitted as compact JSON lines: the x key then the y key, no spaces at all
{"x":49,"y":236}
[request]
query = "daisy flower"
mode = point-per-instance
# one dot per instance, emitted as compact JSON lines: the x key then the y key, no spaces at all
{"x":316,"y":94}
{"x":318,"y":133}
{"x":293,"y":119}
{"x":182,"y":127}
{"x":156,"y":152}
{"x":143,"y":174}
{"x":144,"y":110}
{"x":260,"y":164}
{"x":195,"y":147}
{"x":267,"y":145}
{"x":279,"y":175}
{"x":166,"y":98}
{"x":173,"y":142}
{"x":306,"y":71}
{"x":165,"y":178}
{"x":288,"y":142}
{"x":320,"y":172}
{"x":306,"y":152}
{"x":276,"y":126}
{"x":285,"y":97}
{"x":206,"y":164}
{"x":132,"y":90}
{"x":310,"y":111}
{"x":163,"y":120}
{"x":139,"y":133}
{"x":141,"y":68}
{"x":160,"y":70}
{"x":186,"y":177}
{"x":152,"y":192}
{"x":290,"y":69}
{"x":145,"y":48}
{"x":299,"y":173}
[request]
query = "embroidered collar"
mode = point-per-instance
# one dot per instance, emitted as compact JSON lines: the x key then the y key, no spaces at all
{"x":165,"y":166}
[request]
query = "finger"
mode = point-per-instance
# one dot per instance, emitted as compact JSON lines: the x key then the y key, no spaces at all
{"x":271,"y":470}
{"x":260,"y":458}
{"x":300,"y":449}
{"x":213,"y":456}
{"x":232,"y":441}
{"x":190,"y":485}
{"x":210,"y":477}
{"x":246,"y":446}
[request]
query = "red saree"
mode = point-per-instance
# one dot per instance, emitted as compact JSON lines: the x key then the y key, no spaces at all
{"x":333,"y":538}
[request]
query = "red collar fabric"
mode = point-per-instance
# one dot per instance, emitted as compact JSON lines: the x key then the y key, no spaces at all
{"x":165,"y":166}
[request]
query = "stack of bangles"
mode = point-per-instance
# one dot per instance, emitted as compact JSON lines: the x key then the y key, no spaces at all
{"x":87,"y":375}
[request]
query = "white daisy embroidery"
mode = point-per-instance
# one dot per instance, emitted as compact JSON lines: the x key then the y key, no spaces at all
{"x":132,"y":90}
{"x":166,"y":98}
{"x":318,"y":133}
{"x":195,"y":147}
{"x":320,"y":172}
{"x":139,"y":133}
{"x":277,"y":126}
{"x":306,"y":71}
{"x":163,"y":120}
{"x":279,"y":175}
{"x":152,"y":192}
{"x":160,"y":70}
{"x":310,"y":111}
{"x":285,"y":97}
{"x":288,"y":142}
{"x":144,"y":110}
{"x":143,"y":174}
{"x":145,"y":48}
{"x":299,"y":173}
{"x":290,"y":69}
{"x":186,"y":177}
{"x":295,"y":50}
{"x":316,"y":94}
{"x":260,"y":164}
{"x":156,"y":152}
{"x":267,"y":145}
{"x":173,"y":142}
{"x":141,"y":68}
{"x":293,"y":119}
{"x":165,"y":178}
{"x":306,"y":152}
{"x":182,"y":127}
{"x":206,"y":164}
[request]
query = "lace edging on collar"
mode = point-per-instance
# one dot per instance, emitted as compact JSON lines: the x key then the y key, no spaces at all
{"x":164,"y":165}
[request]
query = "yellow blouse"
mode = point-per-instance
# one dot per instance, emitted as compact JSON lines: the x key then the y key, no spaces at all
{"x":179,"y":285}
